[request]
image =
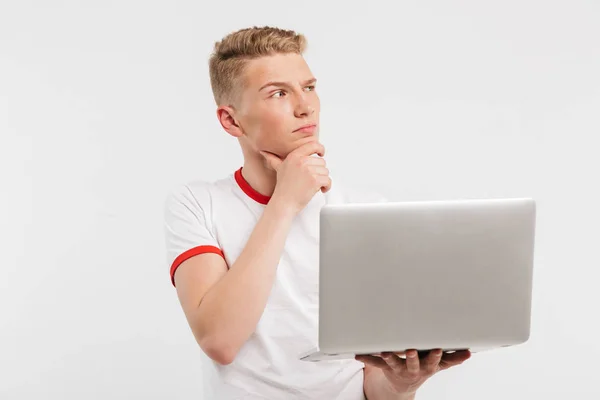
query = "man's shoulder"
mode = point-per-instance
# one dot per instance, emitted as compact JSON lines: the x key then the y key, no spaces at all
{"x":197,"y":191}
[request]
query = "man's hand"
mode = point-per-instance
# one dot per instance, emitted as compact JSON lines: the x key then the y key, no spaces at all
{"x":300,"y":175}
{"x":406,"y":375}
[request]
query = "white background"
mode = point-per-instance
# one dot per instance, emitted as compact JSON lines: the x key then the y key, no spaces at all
{"x":106,"y":105}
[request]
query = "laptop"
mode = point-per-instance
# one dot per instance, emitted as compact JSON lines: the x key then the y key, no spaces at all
{"x":423,"y":275}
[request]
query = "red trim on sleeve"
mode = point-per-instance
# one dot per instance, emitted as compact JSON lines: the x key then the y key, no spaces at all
{"x":249,"y":190}
{"x":191,"y":253}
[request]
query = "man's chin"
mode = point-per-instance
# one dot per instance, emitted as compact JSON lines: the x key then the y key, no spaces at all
{"x":298,"y":142}
{"x":305,"y":138}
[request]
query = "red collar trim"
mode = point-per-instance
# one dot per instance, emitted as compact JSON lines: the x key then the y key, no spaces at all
{"x":246,"y":188}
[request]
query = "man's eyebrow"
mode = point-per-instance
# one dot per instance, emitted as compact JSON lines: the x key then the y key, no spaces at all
{"x":310,"y":81}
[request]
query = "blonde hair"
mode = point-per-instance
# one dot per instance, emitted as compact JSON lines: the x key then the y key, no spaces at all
{"x":231,"y":54}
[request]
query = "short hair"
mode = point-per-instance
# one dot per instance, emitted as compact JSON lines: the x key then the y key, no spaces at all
{"x":231,"y":54}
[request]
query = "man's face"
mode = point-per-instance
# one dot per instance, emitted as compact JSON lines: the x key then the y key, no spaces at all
{"x":278,"y":98}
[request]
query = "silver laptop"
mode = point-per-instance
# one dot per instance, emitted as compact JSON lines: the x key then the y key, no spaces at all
{"x":424,"y":275}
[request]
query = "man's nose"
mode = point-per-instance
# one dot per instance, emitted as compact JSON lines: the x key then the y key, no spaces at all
{"x":304,"y":108}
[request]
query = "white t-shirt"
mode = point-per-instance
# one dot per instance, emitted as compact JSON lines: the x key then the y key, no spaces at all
{"x":219,"y":217}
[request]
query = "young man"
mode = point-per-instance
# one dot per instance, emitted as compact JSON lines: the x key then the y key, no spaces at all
{"x":243,"y":251}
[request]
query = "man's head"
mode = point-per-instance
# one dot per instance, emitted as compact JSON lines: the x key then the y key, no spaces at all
{"x":264,"y":90}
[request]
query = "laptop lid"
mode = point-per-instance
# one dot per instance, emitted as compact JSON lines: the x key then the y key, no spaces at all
{"x":437,"y":274}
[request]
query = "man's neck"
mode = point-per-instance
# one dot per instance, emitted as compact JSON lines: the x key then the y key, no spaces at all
{"x":259,"y":177}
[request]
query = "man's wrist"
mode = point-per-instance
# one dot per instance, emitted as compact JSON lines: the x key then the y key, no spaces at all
{"x":378,"y":387}
{"x":399,"y":396}
{"x":281,"y":209}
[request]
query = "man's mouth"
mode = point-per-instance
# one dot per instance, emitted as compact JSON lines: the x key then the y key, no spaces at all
{"x":309,"y":128}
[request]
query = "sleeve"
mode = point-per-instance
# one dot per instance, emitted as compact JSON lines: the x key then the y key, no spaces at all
{"x":187,"y":230}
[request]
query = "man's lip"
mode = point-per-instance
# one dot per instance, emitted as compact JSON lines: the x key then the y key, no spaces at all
{"x":309,"y":127}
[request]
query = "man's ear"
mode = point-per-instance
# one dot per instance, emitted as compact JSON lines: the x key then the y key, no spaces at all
{"x":225,"y":115}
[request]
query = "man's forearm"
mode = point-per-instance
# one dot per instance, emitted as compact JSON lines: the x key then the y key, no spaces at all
{"x":230,"y":310}
{"x":376,"y":386}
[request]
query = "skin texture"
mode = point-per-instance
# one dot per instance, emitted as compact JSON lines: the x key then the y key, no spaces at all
{"x":265,"y":120}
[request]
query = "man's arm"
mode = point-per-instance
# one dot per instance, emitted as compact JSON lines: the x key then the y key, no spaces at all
{"x":224,"y":306}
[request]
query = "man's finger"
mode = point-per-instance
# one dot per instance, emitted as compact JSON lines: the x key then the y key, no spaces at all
{"x":432,"y":360}
{"x":372,"y":360}
{"x":451,"y":359}
{"x":312,"y":147}
{"x":325,"y":182}
{"x":272,"y":160}
{"x":315,"y":161}
{"x":396,"y":363}
{"x":319,"y":170}
{"x":412,"y":362}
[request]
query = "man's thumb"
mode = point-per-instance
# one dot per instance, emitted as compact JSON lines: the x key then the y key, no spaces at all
{"x":272,"y":160}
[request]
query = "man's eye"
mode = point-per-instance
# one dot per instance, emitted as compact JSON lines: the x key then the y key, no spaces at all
{"x":312,"y":87}
{"x":278,"y":92}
